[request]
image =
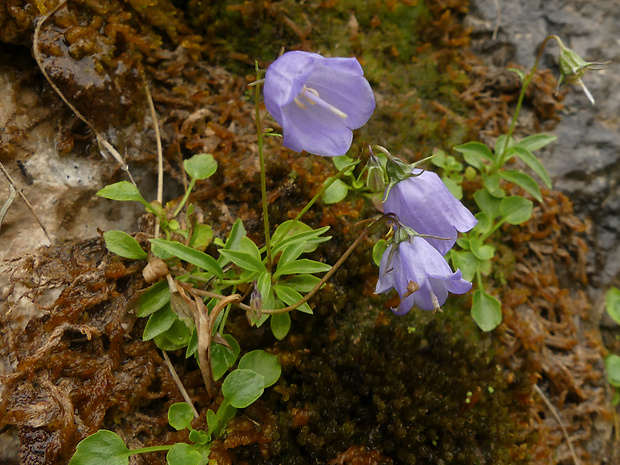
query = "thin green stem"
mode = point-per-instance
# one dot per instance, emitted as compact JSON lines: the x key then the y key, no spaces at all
{"x":493,"y":229}
{"x":318,"y":195}
{"x":526,"y":83}
{"x":145,"y":450}
{"x":263,"y":180}
{"x":479,"y":280}
{"x":185,"y":197}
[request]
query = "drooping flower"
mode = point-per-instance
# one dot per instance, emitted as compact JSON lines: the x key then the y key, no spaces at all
{"x":420,"y":275}
{"x":318,"y":101}
{"x":573,"y":67}
{"x":423,"y":203}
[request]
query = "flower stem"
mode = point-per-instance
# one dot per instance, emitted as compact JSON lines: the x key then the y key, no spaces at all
{"x":263,"y":180}
{"x":145,"y":450}
{"x":526,"y":83}
{"x":185,"y":197}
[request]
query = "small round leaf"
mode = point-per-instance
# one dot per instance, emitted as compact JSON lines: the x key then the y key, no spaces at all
{"x":201,"y":166}
{"x":242,"y":387}
{"x":180,"y":415}
{"x":264,"y":363}
{"x":103,"y":448}
{"x":183,"y":454}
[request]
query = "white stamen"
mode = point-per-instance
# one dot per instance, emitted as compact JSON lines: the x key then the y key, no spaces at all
{"x":435,"y":302}
{"x":587,"y":92}
{"x":312,"y":96}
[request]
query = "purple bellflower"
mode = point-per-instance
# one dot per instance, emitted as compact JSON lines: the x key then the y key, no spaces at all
{"x":420,"y":275}
{"x":423,"y":203}
{"x":318,"y":101}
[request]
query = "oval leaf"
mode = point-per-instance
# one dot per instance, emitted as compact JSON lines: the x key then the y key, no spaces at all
{"x":154,"y":298}
{"x":336,"y":192}
{"x":612,"y":303}
{"x":201,"y":166}
{"x":183,"y":454}
{"x":180,"y":415}
{"x":264,"y":363}
{"x":612,"y":369}
{"x":280,"y":325}
{"x":242,"y":387}
{"x":516,"y":209}
{"x":303,"y":265}
{"x":123,"y":191}
{"x":159,"y":322}
{"x":486,"y":310}
{"x":222,"y":357}
{"x":103,"y":448}
{"x":124,"y":245}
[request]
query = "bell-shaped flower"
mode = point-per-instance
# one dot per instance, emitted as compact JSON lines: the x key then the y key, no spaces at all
{"x":573,"y":67}
{"x":420,"y":275}
{"x":318,"y":101}
{"x":423,"y":203}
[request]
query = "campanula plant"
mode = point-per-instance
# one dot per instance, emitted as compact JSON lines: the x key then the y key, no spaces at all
{"x":318,"y":101}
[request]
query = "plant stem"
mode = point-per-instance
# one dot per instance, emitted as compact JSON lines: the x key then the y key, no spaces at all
{"x":263,"y":180}
{"x":526,"y":83}
{"x":145,"y":450}
{"x":185,"y":197}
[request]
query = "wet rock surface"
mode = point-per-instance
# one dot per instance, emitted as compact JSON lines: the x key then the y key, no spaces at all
{"x":585,"y":160}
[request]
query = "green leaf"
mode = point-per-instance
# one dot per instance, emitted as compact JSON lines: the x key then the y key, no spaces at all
{"x":341,"y":162}
{"x":500,"y":142}
{"x":612,"y":369}
{"x":122,"y":191}
{"x":159,"y":322}
{"x":303,"y":265}
{"x":244,"y":260}
{"x":201,"y":166}
{"x":237,"y":232}
{"x":199,"y":437}
{"x":612,"y":303}
{"x":280,"y":325}
{"x":301,"y":282}
{"x":298,"y":233}
{"x":225,"y":413}
{"x":491,"y":183}
{"x":455,"y":189}
{"x":524,"y":181}
{"x":486,"y":310}
{"x":180,"y":415}
{"x":475,"y":153}
{"x":154,"y":298}
{"x":533,"y":163}
{"x":290,"y":297}
{"x":242,"y":387}
{"x":263,"y":363}
{"x":336,"y":192}
{"x":466,"y":262}
{"x":195,"y":257}
{"x":487,"y":203}
{"x":202,"y":236}
{"x":519,"y":73}
{"x":484,"y":224}
{"x":183,"y":454}
{"x":378,"y":250}
{"x":292,"y":252}
{"x":516,"y":209}
{"x":222,"y":358}
{"x":124,"y":245}
{"x":174,"y":338}
{"x":480,"y":250}
{"x":536,"y":141}
{"x":103,"y":448}
{"x":305,"y":235}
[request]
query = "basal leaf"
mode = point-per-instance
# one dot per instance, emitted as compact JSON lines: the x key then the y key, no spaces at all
{"x":612,"y":303}
{"x":103,"y":448}
{"x":222,"y":358}
{"x":242,"y":387}
{"x":486,"y":310}
{"x":180,"y":415}
{"x":122,"y":191}
{"x":336,"y":192}
{"x":612,"y":369}
{"x":200,"y":166}
{"x":487,"y":203}
{"x":280,"y":325}
{"x":159,"y":322}
{"x":516,"y":209}
{"x":154,"y":298}
{"x":264,"y":363}
{"x":124,"y":245}
{"x":183,"y":454}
